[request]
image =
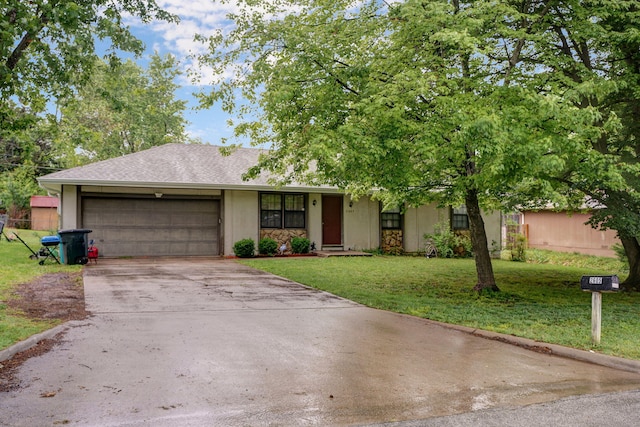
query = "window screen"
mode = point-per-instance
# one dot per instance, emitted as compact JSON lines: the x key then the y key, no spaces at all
{"x":279,"y":210}
{"x":391,"y":219}
{"x":294,"y":211}
{"x":270,"y":210}
{"x":459,"y":218}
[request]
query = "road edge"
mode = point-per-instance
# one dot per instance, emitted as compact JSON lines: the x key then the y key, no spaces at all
{"x":615,"y":362}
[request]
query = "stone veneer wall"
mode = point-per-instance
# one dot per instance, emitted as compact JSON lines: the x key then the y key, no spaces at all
{"x":392,"y":241}
{"x":283,"y":235}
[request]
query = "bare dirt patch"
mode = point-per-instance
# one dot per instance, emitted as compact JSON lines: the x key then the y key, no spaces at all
{"x":52,"y":296}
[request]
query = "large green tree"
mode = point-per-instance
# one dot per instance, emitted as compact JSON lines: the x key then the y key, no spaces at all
{"x":48,"y":49}
{"x":122,"y":109}
{"x":620,"y":24}
{"x":414,"y":99}
{"x":49,"y":46}
{"x":24,"y":155}
{"x":589,"y":52}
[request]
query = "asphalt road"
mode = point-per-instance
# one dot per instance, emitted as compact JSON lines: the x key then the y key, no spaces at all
{"x":611,"y":409}
{"x":199,"y":342}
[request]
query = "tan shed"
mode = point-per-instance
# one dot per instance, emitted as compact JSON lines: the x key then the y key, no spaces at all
{"x":44,"y":213}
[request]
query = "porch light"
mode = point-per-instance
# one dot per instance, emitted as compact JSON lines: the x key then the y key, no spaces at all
{"x":314,"y":202}
{"x":158,"y":195}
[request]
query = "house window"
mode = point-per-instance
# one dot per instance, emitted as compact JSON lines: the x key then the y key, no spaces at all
{"x":282,"y":210}
{"x":459,"y":218}
{"x":294,"y":211}
{"x":271,"y":210}
{"x":391,"y":219}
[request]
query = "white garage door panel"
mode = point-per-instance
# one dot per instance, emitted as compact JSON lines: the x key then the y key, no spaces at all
{"x":152,"y":227}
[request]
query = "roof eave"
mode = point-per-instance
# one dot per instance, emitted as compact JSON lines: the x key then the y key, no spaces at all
{"x":55,"y":186}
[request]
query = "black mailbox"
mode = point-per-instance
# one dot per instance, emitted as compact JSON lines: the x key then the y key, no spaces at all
{"x":600,"y":283}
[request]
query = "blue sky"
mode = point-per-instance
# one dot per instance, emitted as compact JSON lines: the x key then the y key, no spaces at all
{"x":196,"y":16}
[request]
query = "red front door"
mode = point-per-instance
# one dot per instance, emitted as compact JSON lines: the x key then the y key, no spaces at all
{"x":331,"y":220}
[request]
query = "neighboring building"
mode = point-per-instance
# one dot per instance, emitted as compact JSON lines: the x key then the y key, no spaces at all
{"x":189,"y":200}
{"x":567,"y":232}
{"x":44,"y":213}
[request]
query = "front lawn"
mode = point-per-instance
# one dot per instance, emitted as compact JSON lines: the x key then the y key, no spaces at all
{"x":540,"y":301}
{"x":15,"y":268}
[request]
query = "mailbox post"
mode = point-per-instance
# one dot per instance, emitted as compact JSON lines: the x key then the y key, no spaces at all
{"x":597,"y":285}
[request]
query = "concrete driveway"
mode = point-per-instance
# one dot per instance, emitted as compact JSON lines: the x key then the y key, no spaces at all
{"x":202,"y":342}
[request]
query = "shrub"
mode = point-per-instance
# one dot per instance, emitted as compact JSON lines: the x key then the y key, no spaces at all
{"x":463,"y":247}
{"x":267,"y":246}
{"x":442,"y":238}
{"x":448,"y":243}
{"x":518,"y":247}
{"x":244,"y":248}
{"x":300,"y":245}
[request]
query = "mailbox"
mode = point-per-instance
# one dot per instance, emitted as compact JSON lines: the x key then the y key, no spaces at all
{"x":600,"y":283}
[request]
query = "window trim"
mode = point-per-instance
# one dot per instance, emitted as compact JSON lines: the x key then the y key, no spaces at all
{"x":284,"y":211}
{"x":459,"y":215}
{"x":397,"y":217}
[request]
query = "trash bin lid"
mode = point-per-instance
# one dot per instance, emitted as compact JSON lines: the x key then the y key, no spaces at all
{"x":50,"y":240}
{"x":75,"y":230}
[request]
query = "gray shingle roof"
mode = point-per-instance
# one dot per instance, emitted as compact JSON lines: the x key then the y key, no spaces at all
{"x":170,"y":165}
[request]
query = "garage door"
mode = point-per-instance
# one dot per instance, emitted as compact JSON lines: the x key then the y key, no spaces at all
{"x":152,"y":227}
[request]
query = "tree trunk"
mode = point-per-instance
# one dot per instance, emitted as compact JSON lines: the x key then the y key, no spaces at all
{"x":484,"y":268}
{"x":632,"y":250}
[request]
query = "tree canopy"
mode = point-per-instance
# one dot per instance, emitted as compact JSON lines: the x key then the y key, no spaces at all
{"x":48,"y":47}
{"x":597,"y":65}
{"x":122,"y":109}
{"x":48,"y":50}
{"x":423,"y":101}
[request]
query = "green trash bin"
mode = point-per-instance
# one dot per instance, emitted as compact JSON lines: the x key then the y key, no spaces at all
{"x":74,"y":246}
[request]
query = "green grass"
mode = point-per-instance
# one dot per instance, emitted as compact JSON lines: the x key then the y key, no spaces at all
{"x":541,"y":301}
{"x":15,"y":268}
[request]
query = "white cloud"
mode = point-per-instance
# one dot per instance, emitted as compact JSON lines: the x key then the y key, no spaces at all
{"x":204,"y":17}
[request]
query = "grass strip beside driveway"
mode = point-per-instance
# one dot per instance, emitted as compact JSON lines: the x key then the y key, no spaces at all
{"x":15,"y":268}
{"x":542,"y":302}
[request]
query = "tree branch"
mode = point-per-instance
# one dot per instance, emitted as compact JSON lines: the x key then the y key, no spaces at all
{"x":25,"y":42}
{"x":336,"y":78}
{"x":514,"y":58}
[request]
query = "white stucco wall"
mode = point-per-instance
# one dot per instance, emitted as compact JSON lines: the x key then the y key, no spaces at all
{"x":361,"y":224}
{"x":493,"y":228}
{"x":314,"y":219}
{"x":241,"y":218}
{"x":69,"y":208}
{"x":419,"y":221}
